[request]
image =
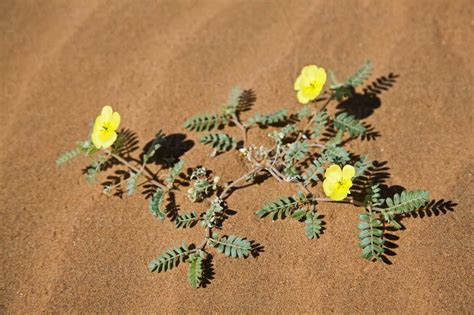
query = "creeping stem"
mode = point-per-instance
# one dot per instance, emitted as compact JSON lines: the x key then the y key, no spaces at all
{"x":134,"y":168}
{"x":244,"y":129}
{"x":235,"y":182}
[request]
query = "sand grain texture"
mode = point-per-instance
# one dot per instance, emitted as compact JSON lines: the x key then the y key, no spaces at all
{"x":67,"y":249}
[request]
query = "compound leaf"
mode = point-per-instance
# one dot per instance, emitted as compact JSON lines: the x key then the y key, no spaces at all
{"x":169,"y":259}
{"x":195,"y":271}
{"x":156,"y":204}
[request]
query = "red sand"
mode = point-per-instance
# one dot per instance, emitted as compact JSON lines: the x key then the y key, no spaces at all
{"x":66,"y":248}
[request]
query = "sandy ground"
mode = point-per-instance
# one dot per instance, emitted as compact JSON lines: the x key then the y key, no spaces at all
{"x":66,"y":248}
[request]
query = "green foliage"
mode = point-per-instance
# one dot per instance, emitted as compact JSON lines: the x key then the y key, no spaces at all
{"x":221,"y":142}
{"x":406,"y":202}
{"x":195,"y":271}
{"x":362,"y":166}
{"x":205,"y":122}
{"x":335,"y":154}
{"x":319,"y":123}
{"x":85,"y":147}
{"x":354,"y":80}
{"x":313,"y":225}
{"x":284,"y":207}
{"x":67,"y":156}
{"x":213,"y":216}
{"x":330,"y":154}
{"x":94,"y":169}
{"x":281,"y":134}
{"x":314,"y":170}
{"x":269,"y":119}
{"x":349,"y":123}
{"x":233,"y":101}
{"x":296,"y":151}
{"x":154,"y":146}
{"x":132,"y":182}
{"x":304,"y":112}
{"x":370,"y":236}
{"x":187,"y":219}
{"x":174,"y":172}
{"x":358,"y":77}
{"x":156,"y":202}
{"x":231,"y":246}
{"x":333,"y":83}
{"x":169,"y":259}
{"x":372,"y":195}
{"x":202,"y":186}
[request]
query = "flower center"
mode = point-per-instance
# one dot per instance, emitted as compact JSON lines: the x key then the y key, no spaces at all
{"x":341,"y":183}
{"x":106,"y":127}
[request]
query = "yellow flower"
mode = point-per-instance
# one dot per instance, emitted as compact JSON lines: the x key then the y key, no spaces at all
{"x":310,"y":83}
{"x":103,"y":134}
{"x":337,"y":183}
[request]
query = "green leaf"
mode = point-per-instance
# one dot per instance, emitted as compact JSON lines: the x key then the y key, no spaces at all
{"x":221,"y":142}
{"x":313,"y":225}
{"x":370,"y":236}
{"x":406,"y":202}
{"x":296,"y":151}
{"x":95,"y":168}
{"x":269,"y":119}
{"x":169,"y":259}
{"x":231,"y":246}
{"x":346,"y":122}
{"x":187,"y":219}
{"x":284,"y":207}
{"x":372,"y":195}
{"x":233,"y":101}
{"x":304,"y":112}
{"x":205,"y":122}
{"x":132,"y":182}
{"x":299,"y":214}
{"x":314,"y":170}
{"x":362,"y":166}
{"x":157,"y":142}
{"x":336,"y":154}
{"x":67,"y":156}
{"x":156,"y":204}
{"x":319,"y":123}
{"x":358,"y":77}
{"x":174,"y":172}
{"x":195,"y":271}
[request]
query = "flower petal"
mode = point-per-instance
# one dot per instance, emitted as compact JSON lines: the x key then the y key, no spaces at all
{"x":115,"y":121}
{"x":320,"y":77}
{"x":96,"y":139}
{"x":98,"y":123}
{"x":333,"y":172}
{"x":310,"y":71}
{"x":348,"y":172}
{"x":112,"y":136}
{"x":298,"y":83}
{"x":338,"y":194}
{"x":301,"y":97}
{"x":106,"y":113}
{"x":328,"y":186}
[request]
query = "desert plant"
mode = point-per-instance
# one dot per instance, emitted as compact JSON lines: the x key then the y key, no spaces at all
{"x":308,"y":148}
{"x":111,"y":148}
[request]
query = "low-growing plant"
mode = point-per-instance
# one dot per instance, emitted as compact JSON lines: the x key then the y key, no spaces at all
{"x":307,"y":149}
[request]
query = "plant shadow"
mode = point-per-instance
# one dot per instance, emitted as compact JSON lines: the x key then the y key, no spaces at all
{"x":363,"y":105}
{"x":172,"y":148}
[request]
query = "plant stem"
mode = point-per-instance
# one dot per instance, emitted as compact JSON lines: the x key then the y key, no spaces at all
{"x":243,"y":177}
{"x":310,"y":122}
{"x":135,"y":169}
{"x":244,"y":129}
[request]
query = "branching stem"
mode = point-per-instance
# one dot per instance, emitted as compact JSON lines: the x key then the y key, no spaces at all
{"x":224,"y":193}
